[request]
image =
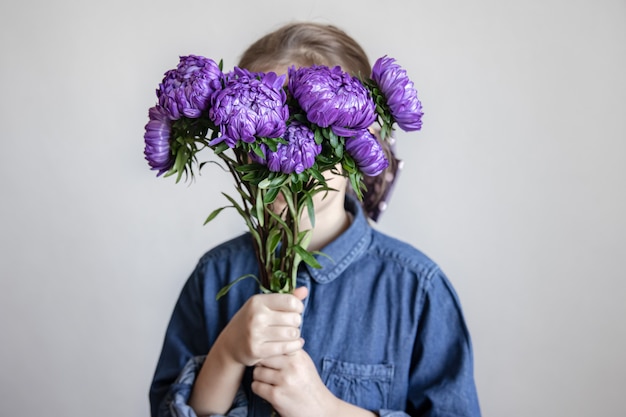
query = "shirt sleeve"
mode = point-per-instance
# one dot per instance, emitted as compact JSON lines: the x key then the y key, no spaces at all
{"x":185,"y":345}
{"x":185,"y":338}
{"x":441,"y":379}
{"x":175,"y":403}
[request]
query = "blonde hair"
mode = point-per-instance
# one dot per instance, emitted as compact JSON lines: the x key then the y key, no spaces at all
{"x":306,"y":44}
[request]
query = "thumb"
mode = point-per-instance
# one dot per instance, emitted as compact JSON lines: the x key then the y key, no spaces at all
{"x":301,"y":293}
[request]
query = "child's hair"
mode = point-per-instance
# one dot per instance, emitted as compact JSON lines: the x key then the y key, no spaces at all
{"x":306,"y":44}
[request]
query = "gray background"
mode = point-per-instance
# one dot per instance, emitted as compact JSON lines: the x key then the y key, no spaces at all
{"x":515,"y":187}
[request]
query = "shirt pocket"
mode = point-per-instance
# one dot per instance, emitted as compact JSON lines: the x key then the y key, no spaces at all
{"x":364,"y":385}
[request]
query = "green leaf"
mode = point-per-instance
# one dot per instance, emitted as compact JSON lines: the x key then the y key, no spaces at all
{"x":334,"y":139}
{"x":270,"y":195}
{"x":221,"y":147}
{"x":181,"y":161}
{"x":253,"y":177}
{"x":235,"y":205}
{"x":257,"y":150}
{"x":324,"y":159}
{"x":319,"y":137}
{"x":265,"y":183}
{"x":296,"y":186}
{"x":318,"y":176}
{"x":214,"y":214}
{"x":227,"y":288}
{"x":276,"y":264}
{"x":348,"y":164}
{"x":386,"y":131}
{"x":357,"y":184}
{"x":286,"y":228}
{"x":310,"y":209}
{"x":288,"y":287}
{"x":272,"y":143}
{"x":303,"y":177}
{"x":300,"y":117}
{"x":316,"y":252}
{"x":249,"y":167}
{"x":306,"y":256}
{"x":304,"y":237}
{"x":278,"y":281}
{"x":273,"y":240}
{"x":339,"y":151}
{"x":260,"y":207}
{"x":289,"y":200}
{"x":279,"y":180}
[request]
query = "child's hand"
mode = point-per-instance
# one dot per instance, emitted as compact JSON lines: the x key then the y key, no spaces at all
{"x":266,"y":325}
{"x":292,"y":385}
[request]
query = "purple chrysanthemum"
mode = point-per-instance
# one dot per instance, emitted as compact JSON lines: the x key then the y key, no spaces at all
{"x":367,"y":153}
{"x":157,"y":140}
{"x":187,"y":90}
{"x":332,"y":97}
{"x":296,"y":155}
{"x":399,"y":92}
{"x":249,"y":105}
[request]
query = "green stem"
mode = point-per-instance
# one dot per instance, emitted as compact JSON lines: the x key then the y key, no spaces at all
{"x":259,"y":247}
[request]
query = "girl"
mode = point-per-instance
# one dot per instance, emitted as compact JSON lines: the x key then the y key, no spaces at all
{"x":383,"y":327}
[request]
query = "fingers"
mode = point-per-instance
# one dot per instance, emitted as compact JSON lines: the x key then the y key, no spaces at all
{"x":266,"y":375}
{"x":273,"y":371}
{"x":286,"y":302}
{"x":281,"y":333}
{"x":278,"y":309}
{"x":263,"y":317}
{"x":265,"y":390}
{"x":267,"y":325}
{"x":275,"y":362}
{"x":272,"y":349}
{"x":275,"y":378}
{"x":275,"y":318}
{"x":301,"y":293}
{"x":279,"y":302}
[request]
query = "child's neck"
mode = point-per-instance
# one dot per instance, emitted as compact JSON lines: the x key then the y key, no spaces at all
{"x":331,"y":220}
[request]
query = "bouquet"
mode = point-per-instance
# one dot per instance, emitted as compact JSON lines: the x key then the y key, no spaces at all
{"x":278,"y":138}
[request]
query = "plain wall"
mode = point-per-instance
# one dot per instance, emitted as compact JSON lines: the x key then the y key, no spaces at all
{"x":515,"y":186}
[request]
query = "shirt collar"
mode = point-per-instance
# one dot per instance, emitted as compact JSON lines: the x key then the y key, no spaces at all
{"x":338,"y":255}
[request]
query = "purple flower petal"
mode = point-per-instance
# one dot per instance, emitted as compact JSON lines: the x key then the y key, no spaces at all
{"x":367,"y":153}
{"x":157,"y":140}
{"x":298,"y":154}
{"x":399,"y":92}
{"x":250,"y":105}
{"x":332,"y":98}
{"x":187,"y":90}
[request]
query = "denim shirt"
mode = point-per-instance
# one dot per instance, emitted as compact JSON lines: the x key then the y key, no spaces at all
{"x":381,"y":322}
